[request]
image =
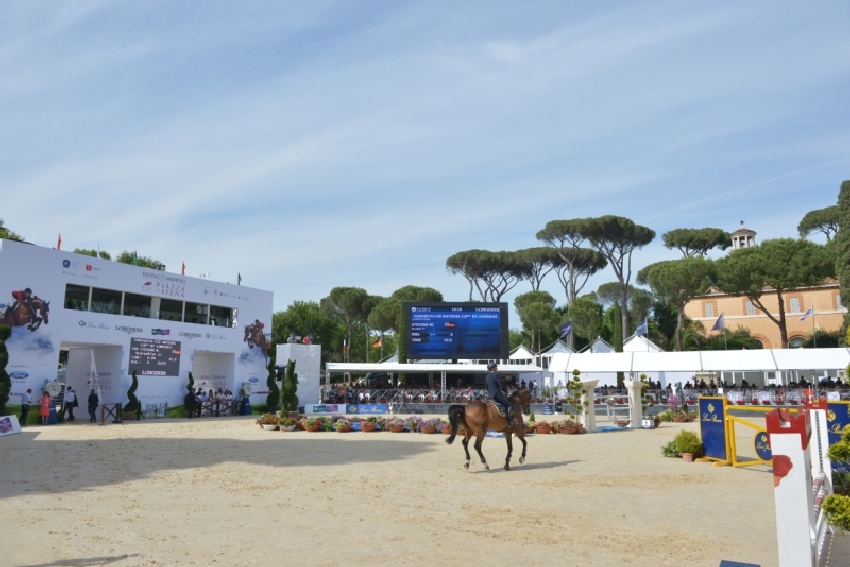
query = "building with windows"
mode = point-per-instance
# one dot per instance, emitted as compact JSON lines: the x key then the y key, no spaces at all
{"x":107,"y":320}
{"x":824,"y":300}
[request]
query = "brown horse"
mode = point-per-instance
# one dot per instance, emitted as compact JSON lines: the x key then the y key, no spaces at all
{"x":254,"y":337}
{"x":477,"y":417}
{"x":22,"y":315}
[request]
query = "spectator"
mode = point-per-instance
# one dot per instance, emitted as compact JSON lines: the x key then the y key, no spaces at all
{"x":93,"y":403}
{"x":70,"y":403}
{"x":189,"y":403}
{"x":26,"y":400}
{"x":44,"y":410}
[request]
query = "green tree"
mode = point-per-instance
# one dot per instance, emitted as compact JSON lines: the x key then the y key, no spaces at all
{"x":492,"y":273}
{"x":8,"y":234}
{"x":696,"y":241}
{"x":774,"y":266}
{"x":638,"y":301}
{"x":677,"y":282}
{"x":127,"y":257}
{"x":612,"y":330}
{"x":616,"y":238}
{"x":536,"y":310}
{"x":586,"y":315}
{"x":740,"y":338}
{"x":538,"y":262}
{"x":469,"y":264}
{"x":348,"y":306}
{"x":822,"y":220}
{"x":410,"y":293}
{"x":842,"y":246}
{"x":567,"y":237}
{"x":92,"y":252}
{"x":273,"y":397}
{"x":289,"y":388}
{"x":666,"y":318}
{"x":5,"y":379}
{"x":305,"y":318}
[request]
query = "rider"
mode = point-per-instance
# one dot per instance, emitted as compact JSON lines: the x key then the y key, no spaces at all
{"x":21,"y":296}
{"x":494,"y":390}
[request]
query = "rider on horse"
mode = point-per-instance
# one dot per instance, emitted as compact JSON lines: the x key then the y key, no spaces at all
{"x":494,"y":390}
{"x":21,"y":296}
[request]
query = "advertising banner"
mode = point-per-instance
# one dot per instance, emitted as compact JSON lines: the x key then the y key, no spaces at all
{"x":713,"y":427}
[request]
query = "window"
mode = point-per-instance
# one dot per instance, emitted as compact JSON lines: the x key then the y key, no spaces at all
{"x":751,"y":308}
{"x":222,"y":316}
{"x":76,"y":297}
{"x":196,"y":313}
{"x":709,"y":310}
{"x":838,"y":303}
{"x":170,"y":310}
{"x":796,"y":342}
{"x":137,"y":305}
{"x":105,"y":301}
{"x":794,"y":305}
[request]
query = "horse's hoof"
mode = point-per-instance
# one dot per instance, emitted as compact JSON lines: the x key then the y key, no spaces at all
{"x":522,"y":460}
{"x":466,"y":466}
{"x":507,"y":468}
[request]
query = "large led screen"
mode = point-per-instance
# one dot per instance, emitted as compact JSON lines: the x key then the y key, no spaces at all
{"x":456,"y":330}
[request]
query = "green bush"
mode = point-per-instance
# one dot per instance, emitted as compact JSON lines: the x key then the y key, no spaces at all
{"x":5,"y":379}
{"x":273,"y":397}
{"x":669,"y":450}
{"x":837,"y":506}
{"x":288,"y":396}
{"x":133,"y":403}
{"x":687,"y":442}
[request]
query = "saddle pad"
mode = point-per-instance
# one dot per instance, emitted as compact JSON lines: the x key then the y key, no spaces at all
{"x":499,"y":407}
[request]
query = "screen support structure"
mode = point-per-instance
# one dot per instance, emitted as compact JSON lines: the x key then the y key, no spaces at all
{"x":442,"y":384}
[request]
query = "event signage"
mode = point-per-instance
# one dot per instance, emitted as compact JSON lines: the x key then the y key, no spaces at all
{"x":837,"y":418}
{"x":367,"y":409}
{"x":712,"y":411}
{"x":547,"y":409}
{"x":332,"y":409}
{"x":154,"y":357}
{"x":762,"y":446}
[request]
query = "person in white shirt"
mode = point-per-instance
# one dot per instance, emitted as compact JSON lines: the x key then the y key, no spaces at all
{"x":70,"y":403}
{"x":26,"y":400}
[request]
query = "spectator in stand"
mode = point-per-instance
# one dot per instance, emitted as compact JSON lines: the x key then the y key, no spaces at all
{"x":201,"y":398}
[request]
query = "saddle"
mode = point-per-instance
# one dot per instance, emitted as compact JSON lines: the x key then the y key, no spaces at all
{"x":500,"y":409}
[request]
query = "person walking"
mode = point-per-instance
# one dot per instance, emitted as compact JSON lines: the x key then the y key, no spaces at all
{"x":70,"y":403}
{"x":26,"y":400}
{"x":44,"y":410}
{"x":94,"y":401}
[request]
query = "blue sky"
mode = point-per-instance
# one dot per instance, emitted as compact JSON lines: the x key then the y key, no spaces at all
{"x":309,"y":145}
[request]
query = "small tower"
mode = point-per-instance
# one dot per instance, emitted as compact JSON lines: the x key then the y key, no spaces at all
{"x":743,"y":238}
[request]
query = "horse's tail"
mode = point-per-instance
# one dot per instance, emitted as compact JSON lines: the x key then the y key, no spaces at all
{"x":456,"y":416}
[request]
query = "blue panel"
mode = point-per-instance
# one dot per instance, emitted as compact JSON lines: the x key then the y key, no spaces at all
{"x":713,"y":427}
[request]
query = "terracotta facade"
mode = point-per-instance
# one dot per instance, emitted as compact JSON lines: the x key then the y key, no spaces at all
{"x":828,"y":313}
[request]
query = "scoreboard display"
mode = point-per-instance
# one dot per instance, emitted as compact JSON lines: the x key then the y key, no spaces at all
{"x":456,"y":330}
{"x":154,"y":357}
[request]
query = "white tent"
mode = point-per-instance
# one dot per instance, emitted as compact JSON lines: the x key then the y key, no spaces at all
{"x":637,"y":343}
{"x":521,"y":353}
{"x":556,"y":347}
{"x":599,"y":345}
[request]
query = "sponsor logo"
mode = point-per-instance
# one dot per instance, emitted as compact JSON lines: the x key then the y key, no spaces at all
{"x":66,"y":263}
{"x":190,"y":335}
{"x":253,"y":380}
{"x":98,"y":374}
{"x":160,"y":331}
{"x":128,"y":330}
{"x":18,"y":375}
{"x":93,"y":325}
{"x":88,"y":267}
{"x":215,"y":336}
{"x":163,"y":277}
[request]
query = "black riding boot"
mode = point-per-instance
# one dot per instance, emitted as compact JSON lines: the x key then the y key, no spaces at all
{"x":510,"y":415}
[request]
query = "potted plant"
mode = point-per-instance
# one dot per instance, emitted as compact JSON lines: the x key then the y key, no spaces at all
{"x":312,"y":424}
{"x":688,"y":444}
{"x":544,"y":427}
{"x":531,"y":426}
{"x":567,"y":427}
{"x":837,"y":506}
{"x":268,"y":421}
{"x":428,"y":426}
{"x":395,"y":425}
{"x":288,"y":424}
{"x":369,"y":425}
{"x":577,"y":401}
{"x":342,"y":425}
{"x":669,"y":450}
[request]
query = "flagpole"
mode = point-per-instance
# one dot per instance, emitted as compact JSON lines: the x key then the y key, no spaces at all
{"x":814,"y":337}
{"x":725,"y":346}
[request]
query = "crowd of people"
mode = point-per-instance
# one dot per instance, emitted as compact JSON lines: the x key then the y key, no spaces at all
{"x":211,"y":403}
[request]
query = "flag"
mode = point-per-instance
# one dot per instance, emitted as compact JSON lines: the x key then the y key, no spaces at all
{"x":59,"y":243}
{"x":811,"y":311}
{"x":643,"y":328}
{"x":566,"y":329}
{"x":183,"y":269}
{"x":238,"y":278}
{"x":135,"y":258}
{"x":378,"y":343}
{"x":719,"y":325}
{"x":344,"y":345}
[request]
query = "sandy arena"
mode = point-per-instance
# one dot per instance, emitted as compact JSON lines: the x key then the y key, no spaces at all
{"x":226,"y":492}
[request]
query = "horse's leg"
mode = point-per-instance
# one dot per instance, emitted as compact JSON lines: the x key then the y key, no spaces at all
{"x":510,"y":440}
{"x":479,"y":440}
{"x":466,"y":447}
{"x":521,"y":437}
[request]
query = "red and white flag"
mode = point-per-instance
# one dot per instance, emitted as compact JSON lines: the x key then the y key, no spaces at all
{"x":59,"y":243}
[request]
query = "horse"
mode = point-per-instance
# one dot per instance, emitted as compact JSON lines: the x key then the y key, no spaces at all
{"x":22,"y":315}
{"x":254,"y":337}
{"x":477,"y":417}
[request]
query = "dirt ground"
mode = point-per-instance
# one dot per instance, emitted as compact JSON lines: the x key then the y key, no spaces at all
{"x":226,"y":492}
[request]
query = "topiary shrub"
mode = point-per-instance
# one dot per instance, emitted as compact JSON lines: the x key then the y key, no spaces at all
{"x":5,"y":379}
{"x":688,"y":442}
{"x":133,"y":404}
{"x":273,"y":397}
{"x":191,"y":386}
{"x":288,"y":396}
{"x":837,"y":506}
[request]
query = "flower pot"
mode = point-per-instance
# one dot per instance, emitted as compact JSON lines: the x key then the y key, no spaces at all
{"x":289,"y":428}
{"x":269,"y":426}
{"x":395,"y":428}
{"x":688,"y":457}
{"x":447,"y":430}
{"x":544,"y":428}
{"x":571,"y":430}
{"x":368,"y":426}
{"x":428,"y":430}
{"x":529,"y":430}
{"x":678,"y":420}
{"x":311,"y":428}
{"x":579,"y":428}
{"x":344,"y":429}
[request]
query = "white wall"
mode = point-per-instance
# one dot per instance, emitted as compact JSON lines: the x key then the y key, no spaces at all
{"x":308,"y":361}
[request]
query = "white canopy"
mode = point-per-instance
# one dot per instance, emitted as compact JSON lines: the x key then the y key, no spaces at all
{"x":521,"y":353}
{"x":558,"y":346}
{"x":637,"y":343}
{"x":394,"y":367}
{"x":699,"y":361}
